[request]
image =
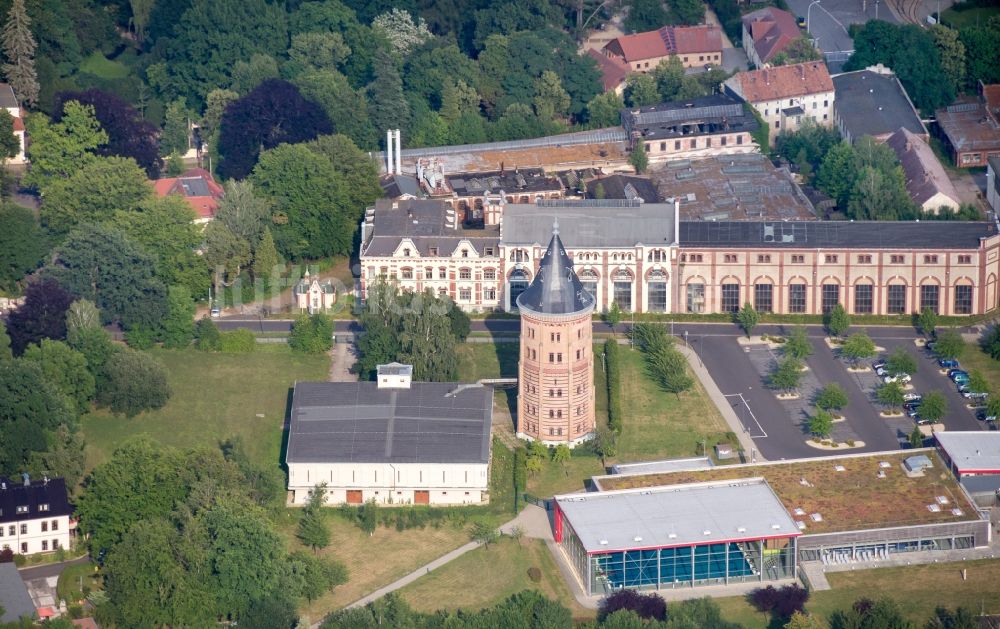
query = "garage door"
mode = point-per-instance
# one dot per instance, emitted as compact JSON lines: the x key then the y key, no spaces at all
{"x":422,"y":497}
{"x":354,"y":497}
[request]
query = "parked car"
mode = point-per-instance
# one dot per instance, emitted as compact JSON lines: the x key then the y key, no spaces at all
{"x":215,"y":312}
{"x":952,"y":372}
{"x":948,"y":363}
{"x":898,"y":377}
{"x":960,"y":378}
{"x":912,"y":397}
{"x":880,"y":371}
{"x":878,"y":364}
{"x":984,"y":416}
{"x":975,"y":395}
{"x":923,"y":422}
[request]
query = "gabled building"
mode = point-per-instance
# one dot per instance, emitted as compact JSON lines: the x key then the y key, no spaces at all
{"x":613,"y":71}
{"x":9,"y":102}
{"x":314,"y":295}
{"x":971,"y":127}
{"x":873,"y":102}
{"x":34,"y":515}
{"x":767,"y":32}
{"x":926,"y":180}
{"x":198,"y":188}
{"x":695,"y":46}
{"x":786,"y":95}
{"x":393,"y":441}
{"x":700,"y":127}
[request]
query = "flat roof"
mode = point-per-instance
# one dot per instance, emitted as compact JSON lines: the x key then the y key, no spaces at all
{"x":679,"y":515}
{"x":870,"y":103}
{"x":971,"y":451}
{"x":669,"y":465}
{"x":837,"y":234}
{"x":430,"y":422}
{"x":969,"y":125}
{"x":590,"y":223}
{"x":848,"y":492}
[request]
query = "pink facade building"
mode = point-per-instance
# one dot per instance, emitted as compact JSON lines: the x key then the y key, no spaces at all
{"x":555,"y":402}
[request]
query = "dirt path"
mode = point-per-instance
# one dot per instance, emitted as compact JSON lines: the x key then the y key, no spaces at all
{"x":342,"y":356}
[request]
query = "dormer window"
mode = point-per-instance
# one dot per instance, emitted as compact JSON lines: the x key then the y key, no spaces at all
{"x":433,"y":251}
{"x":406,"y":252}
{"x":43,"y":507}
{"x":465,"y":253}
{"x":22,"y":509}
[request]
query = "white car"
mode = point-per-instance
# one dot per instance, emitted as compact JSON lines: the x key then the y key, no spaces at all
{"x":909,"y":397}
{"x":215,"y":312}
{"x":899,"y":377}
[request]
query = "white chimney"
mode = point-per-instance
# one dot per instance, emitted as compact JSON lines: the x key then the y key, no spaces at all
{"x":394,"y":376}
{"x":399,"y":150}
{"x":388,"y":152}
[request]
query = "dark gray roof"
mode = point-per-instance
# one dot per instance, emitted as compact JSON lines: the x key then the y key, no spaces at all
{"x":426,"y":223}
{"x":836,"y":234}
{"x":509,"y":180}
{"x":873,"y":104}
{"x":625,"y":187}
{"x":395,"y":186}
{"x":556,"y":289}
{"x":51,"y":493}
{"x":719,"y":113}
{"x":590,"y":223}
{"x":341,"y":422}
{"x":14,"y":598}
{"x":7,"y":98}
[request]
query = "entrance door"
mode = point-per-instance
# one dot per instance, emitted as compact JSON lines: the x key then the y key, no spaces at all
{"x":422,"y":497}
{"x":354,"y":497}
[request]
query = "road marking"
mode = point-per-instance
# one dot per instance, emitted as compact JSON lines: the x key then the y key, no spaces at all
{"x":754,"y":417}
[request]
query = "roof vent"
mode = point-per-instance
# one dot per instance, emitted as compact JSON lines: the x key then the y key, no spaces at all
{"x":671,"y":535}
{"x":637,"y":538}
{"x":706,"y":532}
{"x":741,"y":529}
{"x":775,"y":526}
{"x":604,"y":542}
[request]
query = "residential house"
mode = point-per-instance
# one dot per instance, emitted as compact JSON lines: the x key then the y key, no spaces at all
{"x":613,"y":71}
{"x":700,"y":127}
{"x":926,"y":180}
{"x":393,"y":441}
{"x":786,"y":95}
{"x":198,"y":188}
{"x":993,"y":183}
{"x":15,"y":601}
{"x":695,"y":46}
{"x":971,"y":127}
{"x":314,"y":295}
{"x":766,"y":33}
{"x":34,"y":515}
{"x":873,"y":102}
{"x":9,"y":102}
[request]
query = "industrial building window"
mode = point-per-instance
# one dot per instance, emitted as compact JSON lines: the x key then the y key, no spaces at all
{"x":896,"y":303}
{"x":730,"y":258}
{"x":763,"y":259}
{"x":831,"y":258}
{"x":864,"y":259}
{"x":696,"y":298}
{"x":797,"y":298}
{"x":963,"y":300}
{"x":965,"y":259}
{"x":831,"y":296}
{"x":763,"y":297}
{"x":623,"y":295}
{"x":930,"y":259}
{"x":929,"y":297}
{"x":896,"y":259}
{"x":657,"y":296}
{"x":555,"y":337}
{"x":730,"y":297}
{"x":863,"y":300}
{"x":552,"y":357}
{"x":798,"y":259}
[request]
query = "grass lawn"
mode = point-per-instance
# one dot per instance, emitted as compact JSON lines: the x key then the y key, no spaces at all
{"x":487,"y":360}
{"x":215,"y":396}
{"x":975,"y":359}
{"x":102,"y":67}
{"x":75,"y":576}
{"x":968,"y":17}
{"x":484,"y":577}
{"x":918,"y":589}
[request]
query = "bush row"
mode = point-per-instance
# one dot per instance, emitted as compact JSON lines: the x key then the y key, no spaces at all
{"x":612,"y":359}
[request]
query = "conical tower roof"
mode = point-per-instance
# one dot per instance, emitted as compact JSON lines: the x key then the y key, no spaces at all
{"x":556,"y":289}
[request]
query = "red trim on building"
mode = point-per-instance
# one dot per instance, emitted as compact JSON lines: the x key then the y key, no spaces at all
{"x":557,"y":518}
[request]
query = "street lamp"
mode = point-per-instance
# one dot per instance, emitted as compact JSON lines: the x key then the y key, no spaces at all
{"x":808,"y":21}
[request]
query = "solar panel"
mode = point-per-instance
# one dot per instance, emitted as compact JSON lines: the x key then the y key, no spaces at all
{"x":671,"y":115}
{"x":962,"y":107}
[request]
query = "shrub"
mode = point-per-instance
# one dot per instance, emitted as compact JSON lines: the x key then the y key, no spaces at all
{"x":239,"y":341}
{"x":208,"y":335}
{"x":648,"y":606}
{"x":534,"y":574}
{"x":312,"y":334}
{"x":135,"y":382}
{"x":763,"y":599}
{"x":791,"y":598}
{"x":20,"y":560}
{"x":612,"y":357}
{"x":6,"y":555}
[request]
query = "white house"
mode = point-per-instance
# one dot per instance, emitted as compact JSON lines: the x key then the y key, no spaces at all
{"x":34,"y":515}
{"x":9,"y":102}
{"x":393,"y":441}
{"x":314,"y":295}
{"x":786,"y":95}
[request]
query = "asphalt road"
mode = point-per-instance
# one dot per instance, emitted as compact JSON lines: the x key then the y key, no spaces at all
{"x":829,"y":21}
{"x":49,"y":570}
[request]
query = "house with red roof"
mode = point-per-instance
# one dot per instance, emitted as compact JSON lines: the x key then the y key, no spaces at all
{"x":695,"y":46}
{"x":198,"y":188}
{"x":613,"y":71}
{"x":785,"y":96}
{"x":767,"y":32}
{"x":9,"y":102}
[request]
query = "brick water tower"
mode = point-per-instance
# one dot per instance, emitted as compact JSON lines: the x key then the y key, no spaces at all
{"x":555,"y":401}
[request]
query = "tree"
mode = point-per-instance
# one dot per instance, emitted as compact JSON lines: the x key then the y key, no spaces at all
{"x":65,"y":369}
{"x":638,"y":158}
{"x":927,"y":321}
{"x":961,"y":618}
{"x":316,"y":51}
{"x":19,"y":51}
{"x":484,"y":533}
{"x":141,"y":10}
{"x":797,"y":344}
{"x":128,"y":134}
{"x":858,"y":347}
{"x":688,"y":11}
{"x":949,"y":345}
{"x":561,"y":454}
{"x":215,"y":106}
{"x":272,"y":113}
{"x":178,"y":326}
{"x":266,"y":263}
{"x":207,"y":335}
{"x":313,"y":530}
{"x":551,"y":100}
{"x":821,"y":424}
{"x":174,"y":139}
{"x":891,"y":394}
{"x":837,"y":172}
{"x":59,"y":149}
{"x":311,"y":334}
{"x":5,"y":353}
{"x":245,"y":213}
{"x":748,"y":318}
{"x":645,"y":15}
{"x":93,"y":193}
{"x":368,"y":517}
{"x":389,"y":108}
{"x":646,"y":606}
{"x":916,"y":437}
{"x":136,"y":382}
{"x":82,"y":315}
{"x":831,"y":397}
{"x":883,"y":612}
{"x":641,"y":90}
{"x":837,"y":321}
{"x":23,"y":245}
{"x":952,"y":53}
{"x":10,"y":144}
{"x":460,"y":323}
{"x":42,"y":315}
{"x":786,"y":375}
{"x":604,"y":110}
{"x":798,"y":50}
{"x":401,"y":31}
{"x":225,"y":252}
{"x":978,"y":382}
{"x":901,"y":361}
{"x":981,"y":41}
{"x":249,"y":74}
{"x":934,"y":406}
{"x":315,"y":576}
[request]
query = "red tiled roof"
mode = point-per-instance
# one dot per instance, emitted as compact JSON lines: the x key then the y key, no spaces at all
{"x":800,"y":79}
{"x":991,"y":94}
{"x":771,"y":30}
{"x":669,"y":40}
{"x":613,"y":70}
{"x":204,"y":205}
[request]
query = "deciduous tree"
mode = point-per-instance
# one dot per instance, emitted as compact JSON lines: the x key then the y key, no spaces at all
{"x":797,"y":344}
{"x":93,"y":193}
{"x":901,"y":361}
{"x":837,"y":321}
{"x":266,"y":263}
{"x":23,"y":245}
{"x":59,"y":149}
{"x":388,"y":106}
{"x":786,"y":375}
{"x":831,"y":397}
{"x":858,"y":347}
{"x":401,"y":30}
{"x":30,"y":409}
{"x":638,"y":158}
{"x":42,"y":315}
{"x":641,"y":90}
{"x":604,"y":110}
{"x":821,"y":424}
{"x":136,"y":382}
{"x":10,"y":144}
{"x":748,"y":318}
{"x":891,"y":394}
{"x":950,"y":345}
{"x":645,"y":15}
{"x":178,"y":325}
{"x":313,"y":530}
{"x":65,"y":369}
{"x":927,"y":321}
{"x":225,"y":252}
{"x":933,"y":406}
{"x":245,"y":213}
{"x":952,"y":53}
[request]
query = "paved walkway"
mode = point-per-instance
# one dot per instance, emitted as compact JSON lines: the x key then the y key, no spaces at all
{"x":342,"y":357}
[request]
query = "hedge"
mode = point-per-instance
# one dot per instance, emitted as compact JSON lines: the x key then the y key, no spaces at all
{"x":612,"y":358}
{"x":241,"y":341}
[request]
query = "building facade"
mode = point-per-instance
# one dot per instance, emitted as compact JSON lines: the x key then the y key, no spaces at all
{"x":314,"y":295}
{"x":695,"y":46}
{"x":9,"y":102}
{"x":34,"y":516}
{"x":555,"y":400}
{"x":766,"y":33}
{"x":786,"y":96}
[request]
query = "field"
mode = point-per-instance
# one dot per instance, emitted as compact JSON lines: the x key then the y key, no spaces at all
{"x":100,"y":66}
{"x":215,"y":396}
{"x":484,"y":577}
{"x":918,"y":589}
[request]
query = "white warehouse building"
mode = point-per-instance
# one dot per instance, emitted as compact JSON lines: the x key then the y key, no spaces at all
{"x":393,"y":441}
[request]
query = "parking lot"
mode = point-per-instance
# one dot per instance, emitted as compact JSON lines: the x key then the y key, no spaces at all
{"x":779,"y":428}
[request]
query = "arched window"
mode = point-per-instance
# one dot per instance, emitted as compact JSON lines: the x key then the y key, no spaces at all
{"x":656,"y":289}
{"x":518,"y":284}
